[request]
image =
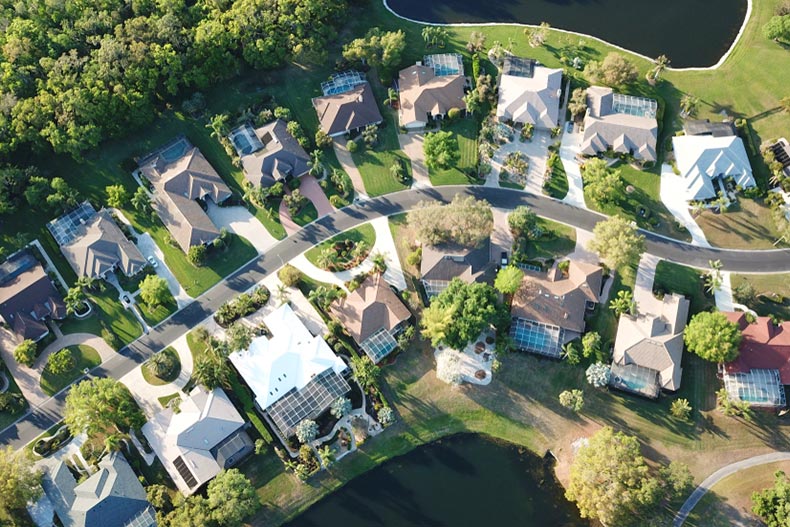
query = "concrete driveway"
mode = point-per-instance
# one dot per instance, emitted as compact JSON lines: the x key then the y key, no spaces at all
{"x":537,"y":150}
{"x":238,"y":220}
{"x":673,"y":199}
{"x":347,"y":162}
{"x":501,"y":237}
{"x":569,"y":147}
{"x":411,"y":144}
{"x":148,"y":247}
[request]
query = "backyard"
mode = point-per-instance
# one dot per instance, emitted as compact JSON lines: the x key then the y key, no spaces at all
{"x":374,"y":163}
{"x":465,"y":130}
{"x":84,"y":357}
{"x":772,"y":293}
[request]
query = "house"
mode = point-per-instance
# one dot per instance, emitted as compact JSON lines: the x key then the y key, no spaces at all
{"x":28,"y":297}
{"x":622,"y":123}
{"x":441,"y":263}
{"x":781,"y":150}
{"x":430,"y":91}
{"x":269,"y":154}
{"x":206,"y":435}
{"x":93,"y":244}
{"x":648,"y":349}
{"x":182,"y":176}
{"x":761,"y":371}
{"x":112,"y":497}
{"x":529,"y":93}
{"x":549,"y":308}
{"x":293,"y":374}
{"x":351,"y":110}
{"x":705,"y":162}
{"x":373,"y":315}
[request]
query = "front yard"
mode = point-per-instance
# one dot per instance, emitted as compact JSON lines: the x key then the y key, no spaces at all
{"x":155,"y":315}
{"x":747,"y":225}
{"x":674,"y":278}
{"x":374,"y":163}
{"x":84,"y":356}
{"x":107,"y":313}
{"x":772,"y":293}
{"x":362,"y":234}
{"x":465,"y":130}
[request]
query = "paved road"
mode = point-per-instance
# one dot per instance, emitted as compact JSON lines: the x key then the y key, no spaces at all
{"x":720,"y":474}
{"x":43,"y":417}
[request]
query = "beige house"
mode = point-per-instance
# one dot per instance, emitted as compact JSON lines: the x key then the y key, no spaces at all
{"x":648,"y":349}
{"x":347,"y":111}
{"x":549,"y":308}
{"x":181,"y":176}
{"x":621,"y":123}
{"x":424,"y":95}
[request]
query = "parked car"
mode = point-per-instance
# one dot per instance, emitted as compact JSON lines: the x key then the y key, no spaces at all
{"x":153,"y":262}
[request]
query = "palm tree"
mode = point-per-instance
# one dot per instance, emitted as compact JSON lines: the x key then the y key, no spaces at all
{"x":218,"y":125}
{"x":74,"y":299}
{"x":87,"y":282}
{"x":317,"y":167}
{"x":326,"y":455}
{"x":392,"y":96}
{"x":379,"y":262}
{"x":688,"y":105}
{"x":158,"y":364}
{"x":283,"y":294}
{"x":427,"y":35}
{"x":141,"y":201}
{"x":662,"y":62}
{"x":326,"y":258}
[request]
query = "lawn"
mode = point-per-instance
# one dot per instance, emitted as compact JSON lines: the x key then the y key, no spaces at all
{"x":374,"y":163}
{"x":556,"y":185}
{"x":466,"y":131}
{"x":642,"y":205}
{"x":84,"y":357}
{"x":167,"y":398}
{"x":363,"y":233}
{"x":766,"y":284}
{"x":674,"y":278}
{"x":153,"y":379}
{"x":306,"y":214}
{"x":557,"y":241}
{"x":7,"y":418}
{"x":107,"y":312}
{"x":747,"y":225}
{"x":155,"y":315}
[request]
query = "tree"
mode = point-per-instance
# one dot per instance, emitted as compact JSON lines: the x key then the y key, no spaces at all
{"x":713,"y":278}
{"x":688,"y":105}
{"x":159,"y":496}
{"x":784,"y":104}
{"x":25,"y":352}
{"x":536,"y":36}
{"x":441,"y":150}
{"x":744,"y":292}
{"x":60,"y":362}
{"x":473,"y":307}
{"x":154,"y":290}
{"x":238,"y":337}
{"x":772,"y":505}
{"x":365,"y":371}
{"x":161,"y":364}
{"x":392,"y":97}
{"x":370,"y":134}
{"x":211,"y":370}
{"x":617,"y":242}
{"x":20,"y":482}
{"x":322,"y":139}
{"x":523,"y":223}
{"x":572,"y":399}
{"x":676,"y":479}
{"x":623,"y":303}
{"x":317,"y":165}
{"x":306,"y":431}
{"x":733,"y":407}
{"x":477,"y":42}
{"x":141,"y":201}
{"x":193,"y":512}
{"x":219,"y":125}
{"x":289,"y":275}
{"x":602,"y":183}
{"x":101,"y":405}
{"x":465,"y":221}
{"x":777,"y":28}
{"x":197,"y":254}
{"x":615,"y":70}
{"x":591,"y":344}
{"x":680,"y":409}
{"x":340,"y":407}
{"x":578,"y":103}
{"x":713,"y":337}
{"x":609,"y":479}
{"x":508,"y":280}
{"x":377,"y":48}
{"x":434,"y":36}
{"x":661,"y":64}
{"x":326,"y":455}
{"x":116,"y":195}
{"x":598,"y":374}
{"x":231,"y":498}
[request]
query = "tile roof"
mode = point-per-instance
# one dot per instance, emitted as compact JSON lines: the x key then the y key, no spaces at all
{"x":423,"y":93}
{"x":369,"y":308}
{"x":347,"y":111}
{"x":765,"y":346}
{"x":530,"y":95}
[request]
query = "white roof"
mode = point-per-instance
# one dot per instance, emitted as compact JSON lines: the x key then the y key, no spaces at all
{"x":702,"y":158}
{"x":534,"y":100}
{"x":288,"y":360}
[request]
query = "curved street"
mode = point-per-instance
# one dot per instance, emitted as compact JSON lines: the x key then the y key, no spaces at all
{"x":42,"y":417}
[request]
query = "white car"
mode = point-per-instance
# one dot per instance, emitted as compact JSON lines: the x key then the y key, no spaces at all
{"x":153,"y":262}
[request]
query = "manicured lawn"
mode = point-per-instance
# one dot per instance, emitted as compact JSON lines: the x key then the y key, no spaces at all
{"x":557,"y":184}
{"x":7,"y":418}
{"x":132,"y":283}
{"x":167,"y":398}
{"x":643,"y":205}
{"x":363,"y":233}
{"x":107,"y":311}
{"x":154,"y":316}
{"x":766,"y":284}
{"x":747,"y":225}
{"x":558,"y":240}
{"x":306,"y":215}
{"x":84,"y":357}
{"x":603,"y":320}
{"x":154,"y":380}
{"x":466,"y":131}
{"x":674,"y":278}
{"x":374,"y":164}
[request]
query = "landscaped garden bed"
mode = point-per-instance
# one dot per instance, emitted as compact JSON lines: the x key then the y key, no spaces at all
{"x":243,"y":305}
{"x":344,"y":251}
{"x":162,"y":368}
{"x":60,"y":373}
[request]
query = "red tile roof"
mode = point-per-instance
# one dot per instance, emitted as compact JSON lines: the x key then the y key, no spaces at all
{"x":765,"y":346}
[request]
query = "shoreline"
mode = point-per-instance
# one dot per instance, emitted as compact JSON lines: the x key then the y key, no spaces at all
{"x":721,"y":61}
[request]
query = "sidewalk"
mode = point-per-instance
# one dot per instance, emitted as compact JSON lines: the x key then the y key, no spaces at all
{"x":347,"y":162}
{"x":675,"y":201}
{"x":568,"y":150}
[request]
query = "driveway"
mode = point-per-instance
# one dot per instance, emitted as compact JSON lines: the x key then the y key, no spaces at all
{"x":646,"y":302}
{"x":310,"y":189}
{"x":501,"y":237}
{"x":148,"y":247}
{"x":238,"y":220}
{"x":674,"y":200}
{"x":347,"y":162}
{"x":411,"y":144}
{"x":570,"y":146}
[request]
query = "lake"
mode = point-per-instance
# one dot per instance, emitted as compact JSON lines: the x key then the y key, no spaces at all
{"x":465,"y":480}
{"x":689,"y":32}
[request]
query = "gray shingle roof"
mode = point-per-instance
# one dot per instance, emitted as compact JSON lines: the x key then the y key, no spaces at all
{"x":350,"y":110}
{"x":370,"y":307}
{"x":281,"y":156}
{"x":447,"y":261}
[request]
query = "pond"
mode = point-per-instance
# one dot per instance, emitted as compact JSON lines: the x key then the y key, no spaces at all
{"x":465,"y":480}
{"x":692,"y":33}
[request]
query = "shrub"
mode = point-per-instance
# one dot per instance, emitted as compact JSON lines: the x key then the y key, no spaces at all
{"x":572,"y":399}
{"x":289,"y":275}
{"x":282,"y":113}
{"x":598,"y":374}
{"x":340,"y":407}
{"x":322,"y":139}
{"x":306,"y":431}
{"x":453,"y":113}
{"x":414,"y":257}
{"x":386,"y":416}
{"x":265,"y":116}
{"x":197,"y":254}
{"x":25,"y":352}
{"x":11,"y":402}
{"x":60,"y":362}
{"x":352,"y":146}
{"x":337,"y":202}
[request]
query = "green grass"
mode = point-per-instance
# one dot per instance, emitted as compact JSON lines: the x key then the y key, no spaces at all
{"x":766,"y":284}
{"x":153,"y":380}
{"x":7,"y":418}
{"x":603,"y":320}
{"x":557,"y":184}
{"x":674,"y":278}
{"x":643,"y":205}
{"x":363,"y":233}
{"x":132,"y":283}
{"x":84,"y":357}
{"x":466,"y":131}
{"x":154,"y":316}
{"x":558,"y":240}
{"x":746,"y":225}
{"x":374,"y":164}
{"x":307,"y":214}
{"x":107,"y":309}
{"x":167,"y":398}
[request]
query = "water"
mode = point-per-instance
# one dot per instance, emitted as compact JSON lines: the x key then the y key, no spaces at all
{"x":690,"y":32}
{"x":466,"y":480}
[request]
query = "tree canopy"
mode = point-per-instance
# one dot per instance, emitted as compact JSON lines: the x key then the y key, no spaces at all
{"x":231,"y":497}
{"x":465,"y":221}
{"x":20,"y":482}
{"x":615,"y":70}
{"x":101,"y":405}
{"x":508,"y":280}
{"x":772,"y":505}
{"x":523,"y":222}
{"x":713,"y":337}
{"x":154,"y":290}
{"x":441,"y":149}
{"x":777,"y":28}
{"x":378,"y":48}
{"x":617,"y":242}
{"x":602,"y":183}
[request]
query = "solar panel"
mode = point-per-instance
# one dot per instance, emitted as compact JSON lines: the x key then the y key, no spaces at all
{"x":64,"y":228}
{"x":184,"y":471}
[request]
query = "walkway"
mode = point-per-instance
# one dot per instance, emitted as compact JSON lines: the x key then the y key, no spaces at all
{"x":720,"y":474}
{"x":347,"y":162}
{"x":723,"y":295}
{"x":674,"y":200}
{"x":238,"y":220}
{"x":411,"y":144}
{"x":569,"y":147}
{"x":148,"y":248}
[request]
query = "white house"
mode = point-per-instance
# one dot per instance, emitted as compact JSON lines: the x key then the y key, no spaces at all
{"x":704,"y":161}
{"x":529,"y":93}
